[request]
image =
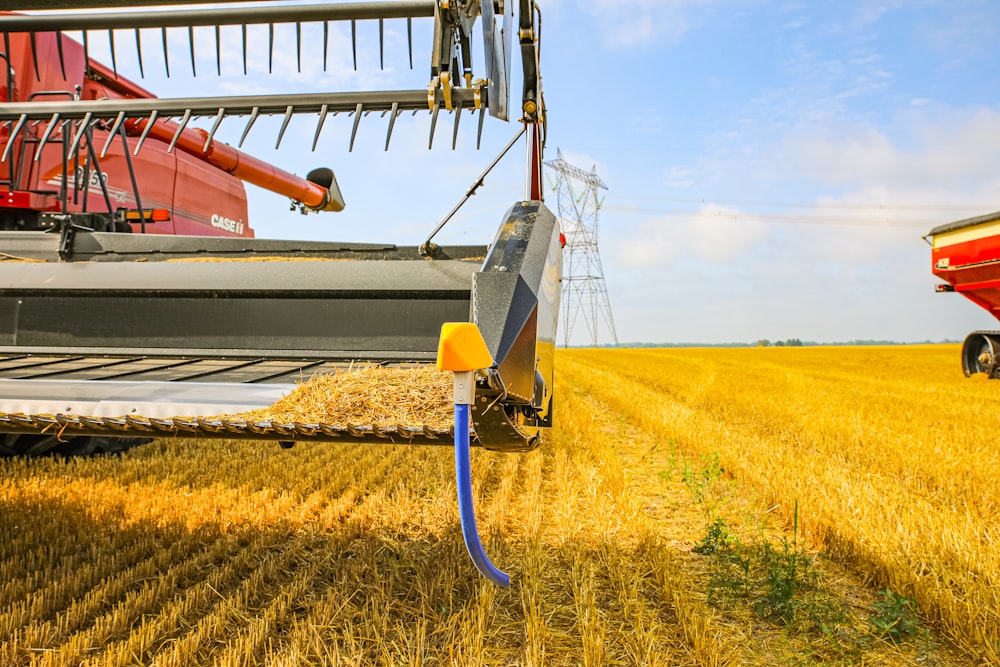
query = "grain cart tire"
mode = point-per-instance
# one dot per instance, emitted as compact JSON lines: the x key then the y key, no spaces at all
{"x":47,"y":445}
{"x":981,"y":354}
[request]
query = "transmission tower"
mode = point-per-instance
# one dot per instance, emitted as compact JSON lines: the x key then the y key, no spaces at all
{"x":583,"y":287}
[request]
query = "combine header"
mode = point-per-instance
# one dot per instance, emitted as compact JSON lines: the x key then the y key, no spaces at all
{"x":966,"y":255}
{"x":110,"y":332}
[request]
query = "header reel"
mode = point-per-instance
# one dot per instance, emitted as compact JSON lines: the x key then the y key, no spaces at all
{"x":453,"y":85}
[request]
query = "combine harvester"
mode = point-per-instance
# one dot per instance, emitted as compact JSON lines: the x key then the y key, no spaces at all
{"x":105,"y":341}
{"x":966,"y":255}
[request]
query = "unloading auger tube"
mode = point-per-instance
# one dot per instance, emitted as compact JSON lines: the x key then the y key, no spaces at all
{"x":318,"y":191}
{"x":103,"y":339}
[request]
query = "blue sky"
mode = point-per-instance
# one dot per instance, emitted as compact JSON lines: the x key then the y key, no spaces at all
{"x":771,"y":166}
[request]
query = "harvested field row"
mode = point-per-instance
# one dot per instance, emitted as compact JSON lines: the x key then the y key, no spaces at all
{"x":889,"y":454}
{"x":241,"y":553}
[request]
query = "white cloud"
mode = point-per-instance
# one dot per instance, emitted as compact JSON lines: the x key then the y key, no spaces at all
{"x":871,"y":11}
{"x":628,"y":23}
{"x":679,"y":177}
{"x":950,"y":155}
{"x":962,"y":35}
{"x":863,"y":259}
{"x":713,"y":234}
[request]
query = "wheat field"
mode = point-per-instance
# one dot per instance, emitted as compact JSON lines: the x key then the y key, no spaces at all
{"x":779,"y":506}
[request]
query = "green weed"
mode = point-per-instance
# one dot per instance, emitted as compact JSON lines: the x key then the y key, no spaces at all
{"x":717,"y":538}
{"x":699,"y":480}
{"x":777,"y":581}
{"x":895,"y":616}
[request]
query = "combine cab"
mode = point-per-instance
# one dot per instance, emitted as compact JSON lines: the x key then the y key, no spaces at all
{"x":130,"y":308}
{"x":966,"y":255}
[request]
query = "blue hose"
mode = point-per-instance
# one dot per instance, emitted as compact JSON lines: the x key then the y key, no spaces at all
{"x":467,"y":513}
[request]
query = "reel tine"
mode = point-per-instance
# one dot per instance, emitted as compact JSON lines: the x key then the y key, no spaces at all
{"x":22,"y":119}
{"x":86,"y":48}
{"x":146,"y":130}
{"x":319,"y":126}
{"x":409,"y":38}
{"x":80,"y":132}
{"x":270,"y":48}
{"x":218,"y":50}
{"x":6,"y":49}
{"x":180,"y":128}
{"x":119,"y":119}
{"x":434,"y":122}
{"x":357,"y":121}
{"x":243,"y":30}
{"x":45,"y":135}
{"x":194,"y":69}
{"x":215,"y":126}
{"x":479,"y":134}
{"x":166,"y":57}
{"x":458,"y":117}
{"x":62,"y":57}
{"x":34,"y":53}
{"x":284,"y":125}
{"x":298,"y":45}
{"x":114,"y":58}
{"x":392,"y":121}
{"x":66,"y":130}
{"x":326,"y":41}
{"x":138,"y":51}
{"x":76,"y":162}
{"x":381,"y":44}
{"x":253,"y":119}
{"x":354,"y":43}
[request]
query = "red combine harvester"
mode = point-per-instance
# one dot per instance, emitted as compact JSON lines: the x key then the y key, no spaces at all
{"x":966,"y":255}
{"x":91,"y":178}
{"x":104,"y":340}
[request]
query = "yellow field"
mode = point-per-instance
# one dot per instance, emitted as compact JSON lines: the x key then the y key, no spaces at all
{"x":656,"y":526}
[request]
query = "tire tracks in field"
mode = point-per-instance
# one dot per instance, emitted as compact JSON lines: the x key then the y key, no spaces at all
{"x":640,"y":394}
{"x":656,"y":583}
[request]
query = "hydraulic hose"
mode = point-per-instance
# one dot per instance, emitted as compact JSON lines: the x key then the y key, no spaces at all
{"x":466,"y":511}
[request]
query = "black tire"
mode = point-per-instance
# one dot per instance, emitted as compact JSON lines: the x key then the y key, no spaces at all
{"x":50,"y":445}
{"x":981,"y":354}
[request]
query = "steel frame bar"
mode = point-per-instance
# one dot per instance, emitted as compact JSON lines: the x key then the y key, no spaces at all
{"x":101,"y":4}
{"x":312,"y":103}
{"x":178,"y":18}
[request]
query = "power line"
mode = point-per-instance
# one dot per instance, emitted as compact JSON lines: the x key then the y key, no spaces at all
{"x":735,"y":216}
{"x":623,"y":200}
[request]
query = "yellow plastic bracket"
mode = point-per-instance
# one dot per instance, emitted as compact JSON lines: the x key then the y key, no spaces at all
{"x":477,"y":92}
{"x":446,"y":90}
{"x":431,"y":96}
{"x":462,"y":348}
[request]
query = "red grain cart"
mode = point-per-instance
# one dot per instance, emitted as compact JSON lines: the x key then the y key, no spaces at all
{"x":966,"y":255}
